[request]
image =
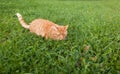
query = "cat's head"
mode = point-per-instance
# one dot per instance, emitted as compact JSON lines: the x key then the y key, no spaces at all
{"x":59,"y":32}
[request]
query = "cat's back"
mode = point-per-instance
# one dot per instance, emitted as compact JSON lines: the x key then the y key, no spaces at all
{"x":41,"y":26}
{"x":41,"y":22}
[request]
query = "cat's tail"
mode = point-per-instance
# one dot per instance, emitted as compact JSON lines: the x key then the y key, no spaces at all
{"x":21,"y":20}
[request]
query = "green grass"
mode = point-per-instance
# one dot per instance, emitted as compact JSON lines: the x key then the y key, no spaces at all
{"x":92,"y":23}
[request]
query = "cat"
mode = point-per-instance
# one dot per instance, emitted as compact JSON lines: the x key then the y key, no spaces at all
{"x":45,"y":28}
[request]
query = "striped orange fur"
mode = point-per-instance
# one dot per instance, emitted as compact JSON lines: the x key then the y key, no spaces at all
{"x":45,"y":28}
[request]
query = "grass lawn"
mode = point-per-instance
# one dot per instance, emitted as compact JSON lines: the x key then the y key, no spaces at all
{"x":91,"y":23}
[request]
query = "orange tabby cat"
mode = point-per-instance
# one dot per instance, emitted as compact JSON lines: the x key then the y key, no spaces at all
{"x":45,"y":28}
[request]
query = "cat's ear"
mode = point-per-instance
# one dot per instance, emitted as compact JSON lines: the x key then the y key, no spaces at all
{"x":66,"y":27}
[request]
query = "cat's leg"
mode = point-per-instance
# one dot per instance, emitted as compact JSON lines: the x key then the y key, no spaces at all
{"x":46,"y":37}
